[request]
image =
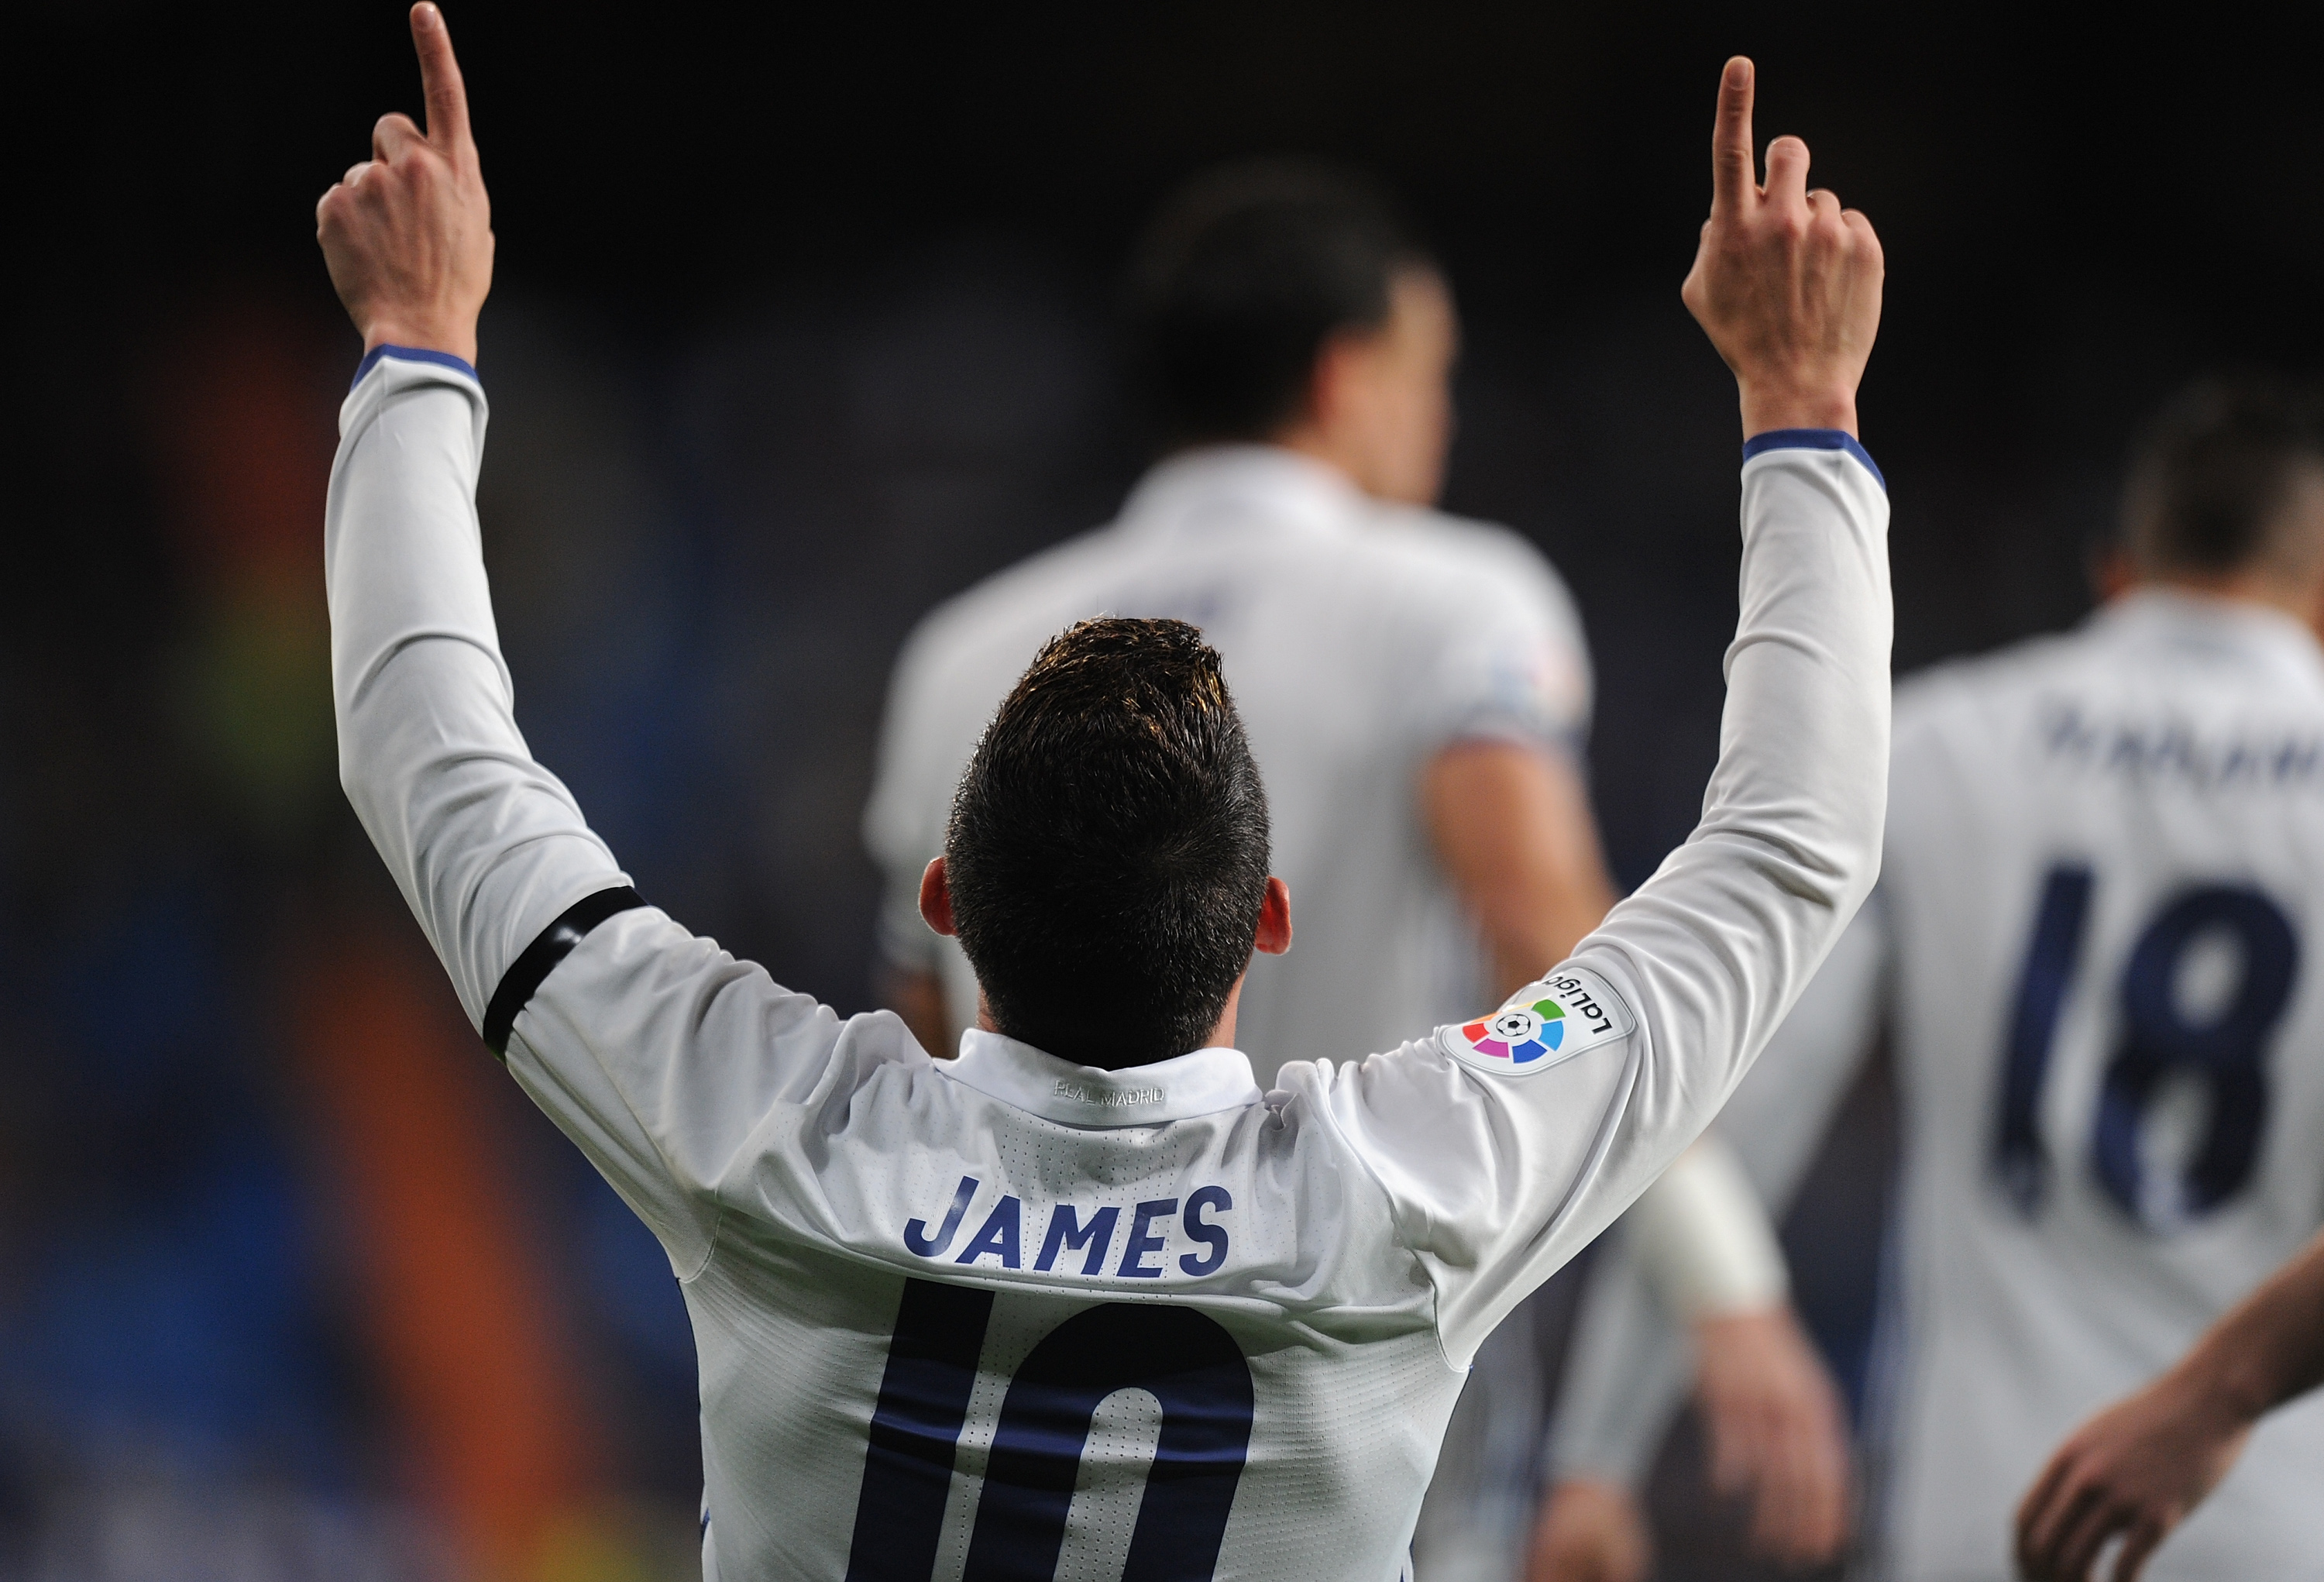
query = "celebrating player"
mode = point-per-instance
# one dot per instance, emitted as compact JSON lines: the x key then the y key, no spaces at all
{"x":2105,"y":859}
{"x":1416,"y":689}
{"x":933,"y":1300}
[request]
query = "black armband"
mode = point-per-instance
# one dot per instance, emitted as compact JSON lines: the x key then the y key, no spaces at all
{"x":525,"y":975}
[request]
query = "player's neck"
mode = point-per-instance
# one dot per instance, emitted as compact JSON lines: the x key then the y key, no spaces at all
{"x":1313,"y":441}
{"x":1221,"y":1035}
{"x":2300,"y":598}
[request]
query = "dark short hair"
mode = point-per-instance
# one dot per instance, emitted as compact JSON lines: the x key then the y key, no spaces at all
{"x":1241,"y":278}
{"x":2210,"y":477}
{"x":1108,"y":847}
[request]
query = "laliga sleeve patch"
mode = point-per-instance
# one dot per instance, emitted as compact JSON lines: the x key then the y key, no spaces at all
{"x":1543,"y":1025}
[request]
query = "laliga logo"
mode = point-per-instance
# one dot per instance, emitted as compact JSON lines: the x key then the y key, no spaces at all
{"x":1520,"y":1034}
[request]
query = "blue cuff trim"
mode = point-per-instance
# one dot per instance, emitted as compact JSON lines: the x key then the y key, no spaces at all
{"x":1802,"y":440}
{"x":410,"y":354}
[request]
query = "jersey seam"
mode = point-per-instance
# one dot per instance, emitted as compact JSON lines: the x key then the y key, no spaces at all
{"x":710,"y":1249}
{"x":411,"y":354}
{"x":669,"y":1169}
{"x":1565,"y":743}
{"x":1830,"y":442}
{"x":1435,"y":1291}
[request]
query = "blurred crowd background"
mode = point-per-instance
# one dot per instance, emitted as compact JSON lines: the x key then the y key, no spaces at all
{"x":803,"y":322}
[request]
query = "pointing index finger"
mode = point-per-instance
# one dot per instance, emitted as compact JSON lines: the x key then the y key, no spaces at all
{"x":439,"y":76}
{"x":1732,"y":174}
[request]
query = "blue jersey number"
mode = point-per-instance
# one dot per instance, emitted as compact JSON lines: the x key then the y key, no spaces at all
{"x":2226,"y":1053}
{"x":1185,"y":1360}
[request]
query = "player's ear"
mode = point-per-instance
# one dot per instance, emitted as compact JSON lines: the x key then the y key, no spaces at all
{"x":935,"y":899}
{"x":1274,"y":918}
{"x":1339,"y":368}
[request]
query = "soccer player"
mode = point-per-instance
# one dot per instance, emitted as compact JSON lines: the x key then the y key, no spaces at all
{"x":2136,"y":1470}
{"x":1416,"y":688}
{"x":1081,"y":1289}
{"x":2105,"y":867}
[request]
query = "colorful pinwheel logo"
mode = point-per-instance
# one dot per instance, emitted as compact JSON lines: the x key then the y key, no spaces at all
{"x":1519,"y":1034}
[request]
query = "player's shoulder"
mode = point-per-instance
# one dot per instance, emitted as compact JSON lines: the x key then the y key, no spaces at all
{"x":1012,"y":609}
{"x":1968,"y":691}
{"x":1000,"y":602}
{"x":1424,"y":554}
{"x":1459,"y":545}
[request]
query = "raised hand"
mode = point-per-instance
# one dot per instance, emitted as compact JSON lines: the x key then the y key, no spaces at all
{"x":408,"y":232}
{"x":1785,"y":283}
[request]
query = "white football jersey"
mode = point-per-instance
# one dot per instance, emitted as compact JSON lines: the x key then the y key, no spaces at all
{"x":1006,"y":1317}
{"x":2095,"y":945}
{"x":1357,"y":638}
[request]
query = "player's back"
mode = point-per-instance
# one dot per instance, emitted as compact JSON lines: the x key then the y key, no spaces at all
{"x":1358,"y":637}
{"x":1296,"y":1283}
{"x":2105,"y":883}
{"x":1075,"y":1312}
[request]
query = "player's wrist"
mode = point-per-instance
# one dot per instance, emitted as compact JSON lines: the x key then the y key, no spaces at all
{"x":2217,"y":1388}
{"x":1592,"y":1486}
{"x":423,"y":333}
{"x":1768,"y":408}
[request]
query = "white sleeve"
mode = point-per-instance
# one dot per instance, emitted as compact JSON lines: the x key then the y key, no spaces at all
{"x":1509,"y":661}
{"x":1703,"y":1234}
{"x":1632,"y":1361}
{"x":1506,"y":1145}
{"x":614,"y":1018}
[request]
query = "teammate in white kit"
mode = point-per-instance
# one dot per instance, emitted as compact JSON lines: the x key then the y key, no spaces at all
{"x":1042,"y":1306}
{"x":2091,"y":944}
{"x":1416,"y":688}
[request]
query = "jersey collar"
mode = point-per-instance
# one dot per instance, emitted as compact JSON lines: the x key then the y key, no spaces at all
{"x":1244,"y":487}
{"x":1199,"y":1084}
{"x":2220,"y":626}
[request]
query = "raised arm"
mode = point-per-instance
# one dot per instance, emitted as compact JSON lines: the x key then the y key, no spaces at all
{"x":1663,"y":1008}
{"x":623,"y":1026}
{"x":488,"y":848}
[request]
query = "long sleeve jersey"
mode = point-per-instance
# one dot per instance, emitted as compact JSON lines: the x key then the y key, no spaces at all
{"x":2105,"y":854}
{"x":1007,"y":1317}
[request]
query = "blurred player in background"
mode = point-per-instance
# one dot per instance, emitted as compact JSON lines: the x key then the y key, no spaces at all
{"x":2092,"y":948}
{"x":1417,"y":686}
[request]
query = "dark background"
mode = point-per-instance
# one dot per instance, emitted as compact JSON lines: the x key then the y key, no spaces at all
{"x":801,"y":321}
